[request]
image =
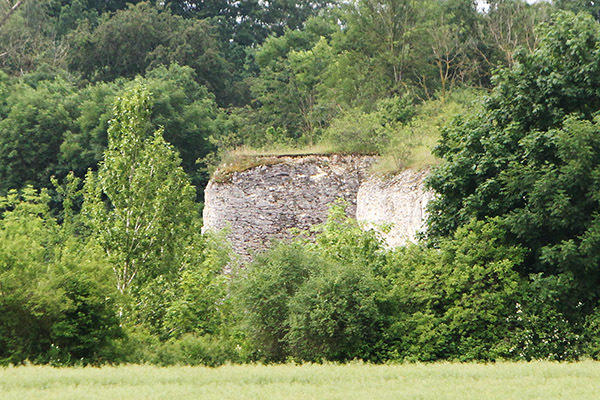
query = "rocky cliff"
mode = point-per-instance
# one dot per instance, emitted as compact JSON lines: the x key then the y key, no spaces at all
{"x":264,"y":202}
{"x":395,"y":206}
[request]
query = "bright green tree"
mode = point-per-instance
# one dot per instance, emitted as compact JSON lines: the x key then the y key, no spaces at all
{"x":58,"y":305}
{"x":140,"y":203}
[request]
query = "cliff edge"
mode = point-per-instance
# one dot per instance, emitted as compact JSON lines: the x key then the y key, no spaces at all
{"x":264,"y":202}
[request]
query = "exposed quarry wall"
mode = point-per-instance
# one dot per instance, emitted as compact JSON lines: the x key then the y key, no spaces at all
{"x":265,"y":202}
{"x":396,"y":204}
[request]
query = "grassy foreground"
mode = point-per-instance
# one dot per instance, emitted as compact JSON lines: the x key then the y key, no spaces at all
{"x":540,"y":380}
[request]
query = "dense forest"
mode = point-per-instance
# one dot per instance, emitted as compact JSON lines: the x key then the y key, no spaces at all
{"x":113,"y":115}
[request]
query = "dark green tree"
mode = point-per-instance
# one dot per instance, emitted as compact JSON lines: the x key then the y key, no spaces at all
{"x":528,"y":155}
{"x":83,"y":146}
{"x":263,"y":291}
{"x":142,"y":37}
{"x":31,"y":132}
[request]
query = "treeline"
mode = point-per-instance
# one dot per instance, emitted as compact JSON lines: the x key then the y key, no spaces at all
{"x":231,"y":74}
{"x":111,"y":115}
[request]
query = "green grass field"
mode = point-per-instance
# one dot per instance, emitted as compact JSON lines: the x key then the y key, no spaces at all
{"x":538,"y":380}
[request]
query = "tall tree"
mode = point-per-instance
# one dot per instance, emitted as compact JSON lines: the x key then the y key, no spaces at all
{"x":140,"y":204}
{"x":382,"y":49}
{"x":287,"y":86}
{"x":529,"y":156}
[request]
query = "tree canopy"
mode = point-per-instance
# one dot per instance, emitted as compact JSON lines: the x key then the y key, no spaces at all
{"x":528,"y":156}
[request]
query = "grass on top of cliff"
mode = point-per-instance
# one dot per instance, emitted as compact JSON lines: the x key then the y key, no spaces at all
{"x":411,"y":144}
{"x":244,"y":158}
{"x":399,"y":145}
{"x":536,"y":380}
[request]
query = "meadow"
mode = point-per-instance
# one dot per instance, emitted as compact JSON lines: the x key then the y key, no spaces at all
{"x":536,"y":380}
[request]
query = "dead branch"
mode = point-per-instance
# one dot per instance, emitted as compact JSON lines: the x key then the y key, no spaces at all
{"x":11,"y":10}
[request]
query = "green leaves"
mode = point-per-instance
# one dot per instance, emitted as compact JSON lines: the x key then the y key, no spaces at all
{"x":453,"y":302}
{"x":56,"y":303}
{"x":144,"y":223}
{"x":529,"y":159}
{"x":32,"y":132}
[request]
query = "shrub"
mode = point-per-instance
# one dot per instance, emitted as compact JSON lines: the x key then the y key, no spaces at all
{"x":57,"y":300}
{"x":336,"y":315}
{"x":454,"y":302}
{"x":263,"y":292}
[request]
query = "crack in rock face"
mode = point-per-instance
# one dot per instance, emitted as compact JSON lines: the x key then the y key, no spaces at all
{"x":266,"y":202}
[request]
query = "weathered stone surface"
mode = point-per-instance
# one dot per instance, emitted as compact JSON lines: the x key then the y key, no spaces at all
{"x":398,"y":202}
{"x":264,"y":202}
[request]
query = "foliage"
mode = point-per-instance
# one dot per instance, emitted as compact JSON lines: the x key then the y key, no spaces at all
{"x":189,"y":115}
{"x":263,"y":292}
{"x":336,"y":315}
{"x":318,"y":301}
{"x":140,"y":210}
{"x":455,"y":302}
{"x":153,"y":38}
{"x":544,"y":331}
{"x":144,"y":224}
{"x":56,"y":305}
{"x":201,"y":305}
{"x":28,"y":40}
{"x":50,"y":127}
{"x":31,"y":132}
{"x":287,"y":86}
{"x":83,"y":146}
{"x":528,"y":156}
{"x":511,"y":266}
{"x":577,"y":6}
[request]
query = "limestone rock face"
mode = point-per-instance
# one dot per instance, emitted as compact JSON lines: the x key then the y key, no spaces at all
{"x":263,"y":203}
{"x":395,"y":206}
